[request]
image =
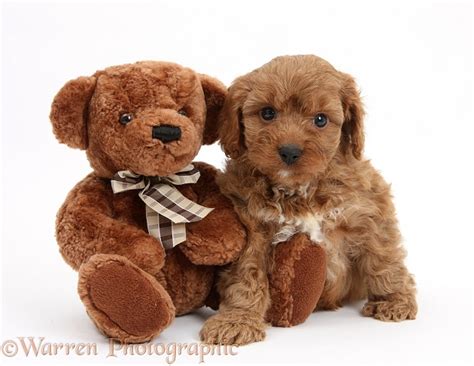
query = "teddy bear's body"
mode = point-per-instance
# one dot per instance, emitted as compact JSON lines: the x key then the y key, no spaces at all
{"x":123,"y":231}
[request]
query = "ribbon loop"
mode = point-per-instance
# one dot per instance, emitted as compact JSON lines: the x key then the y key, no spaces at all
{"x":167,"y":210}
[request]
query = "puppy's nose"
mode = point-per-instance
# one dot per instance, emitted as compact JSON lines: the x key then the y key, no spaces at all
{"x":166,"y":133}
{"x":290,"y":153}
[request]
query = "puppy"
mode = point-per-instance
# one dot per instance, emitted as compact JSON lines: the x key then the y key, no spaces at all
{"x":294,"y":132}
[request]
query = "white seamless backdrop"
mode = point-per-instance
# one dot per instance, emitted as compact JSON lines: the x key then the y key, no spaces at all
{"x":413,"y":62}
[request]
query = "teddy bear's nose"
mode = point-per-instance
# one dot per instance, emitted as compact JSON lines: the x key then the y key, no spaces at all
{"x":166,"y":133}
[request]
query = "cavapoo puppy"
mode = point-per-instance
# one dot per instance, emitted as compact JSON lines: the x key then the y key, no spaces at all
{"x":294,"y":132}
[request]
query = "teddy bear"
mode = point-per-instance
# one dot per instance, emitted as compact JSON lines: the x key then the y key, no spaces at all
{"x":149,"y":230}
{"x":146,"y":228}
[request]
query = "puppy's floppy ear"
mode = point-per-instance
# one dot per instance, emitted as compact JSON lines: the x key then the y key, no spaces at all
{"x":231,"y":129}
{"x":69,"y":111}
{"x":352,"y":138}
{"x":214,"y":93}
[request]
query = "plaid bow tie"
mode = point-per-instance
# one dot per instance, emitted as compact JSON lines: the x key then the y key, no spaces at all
{"x":167,"y":210}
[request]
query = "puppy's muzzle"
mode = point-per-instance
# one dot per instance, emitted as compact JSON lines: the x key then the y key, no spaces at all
{"x":166,"y":133}
{"x":290,"y":153}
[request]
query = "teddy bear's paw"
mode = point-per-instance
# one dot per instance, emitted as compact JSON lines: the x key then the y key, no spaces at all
{"x":396,"y":309}
{"x":230,"y":328}
{"x":216,"y":240}
{"x":125,"y":302}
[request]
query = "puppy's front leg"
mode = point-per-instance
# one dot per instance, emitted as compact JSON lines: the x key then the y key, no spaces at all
{"x":244,"y":292}
{"x":391,"y":287}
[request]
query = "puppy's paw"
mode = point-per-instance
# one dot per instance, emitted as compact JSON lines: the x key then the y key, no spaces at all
{"x":233,"y":328}
{"x":396,"y":309}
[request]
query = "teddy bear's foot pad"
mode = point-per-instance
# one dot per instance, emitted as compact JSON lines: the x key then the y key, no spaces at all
{"x":124,"y":302}
{"x":297,"y":281}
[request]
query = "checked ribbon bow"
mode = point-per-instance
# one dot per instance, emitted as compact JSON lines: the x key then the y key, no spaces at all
{"x":167,"y":210}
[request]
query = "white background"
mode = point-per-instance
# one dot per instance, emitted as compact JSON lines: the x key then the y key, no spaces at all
{"x":413,"y":62}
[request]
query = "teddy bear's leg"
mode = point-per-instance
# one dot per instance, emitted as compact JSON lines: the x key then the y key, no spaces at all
{"x":188,"y":284}
{"x":125,"y":302}
{"x":296,"y":281}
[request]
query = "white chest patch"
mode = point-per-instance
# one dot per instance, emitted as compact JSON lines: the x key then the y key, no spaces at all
{"x":310,"y":224}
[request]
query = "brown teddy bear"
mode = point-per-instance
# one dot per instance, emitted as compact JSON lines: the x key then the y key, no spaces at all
{"x":141,"y":126}
{"x":147,"y":229}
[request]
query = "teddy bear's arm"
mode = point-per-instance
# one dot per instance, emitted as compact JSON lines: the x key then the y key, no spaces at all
{"x":219,"y":238}
{"x":86,"y":225}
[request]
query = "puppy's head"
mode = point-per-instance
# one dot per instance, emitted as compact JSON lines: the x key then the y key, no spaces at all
{"x":290,"y":117}
{"x":148,"y":117}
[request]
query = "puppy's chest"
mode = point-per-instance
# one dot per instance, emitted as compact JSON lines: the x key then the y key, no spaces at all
{"x":314,"y":222}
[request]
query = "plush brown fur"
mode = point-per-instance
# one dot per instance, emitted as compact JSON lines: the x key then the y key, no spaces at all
{"x":331,"y":193}
{"x":131,"y":288}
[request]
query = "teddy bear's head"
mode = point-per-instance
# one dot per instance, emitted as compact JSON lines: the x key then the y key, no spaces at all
{"x":149,"y":117}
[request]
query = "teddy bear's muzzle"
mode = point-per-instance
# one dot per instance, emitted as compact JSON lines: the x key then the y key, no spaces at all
{"x":166,"y":133}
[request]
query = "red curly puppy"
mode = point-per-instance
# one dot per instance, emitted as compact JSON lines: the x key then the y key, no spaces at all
{"x":294,"y":132}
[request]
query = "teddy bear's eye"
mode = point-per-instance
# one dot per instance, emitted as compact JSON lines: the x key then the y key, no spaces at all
{"x":320,"y":120}
{"x":183,"y":112}
{"x":125,"y":118}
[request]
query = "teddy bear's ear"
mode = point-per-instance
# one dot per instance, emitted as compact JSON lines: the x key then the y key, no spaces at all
{"x":69,"y":111}
{"x":215,"y":93}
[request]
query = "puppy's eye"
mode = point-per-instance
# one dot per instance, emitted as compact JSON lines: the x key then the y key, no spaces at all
{"x":268,"y":113}
{"x":126,"y":118}
{"x":320,"y":120}
{"x":183,"y":112}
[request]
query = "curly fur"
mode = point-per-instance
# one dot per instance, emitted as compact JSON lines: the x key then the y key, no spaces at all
{"x":331,"y":193}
